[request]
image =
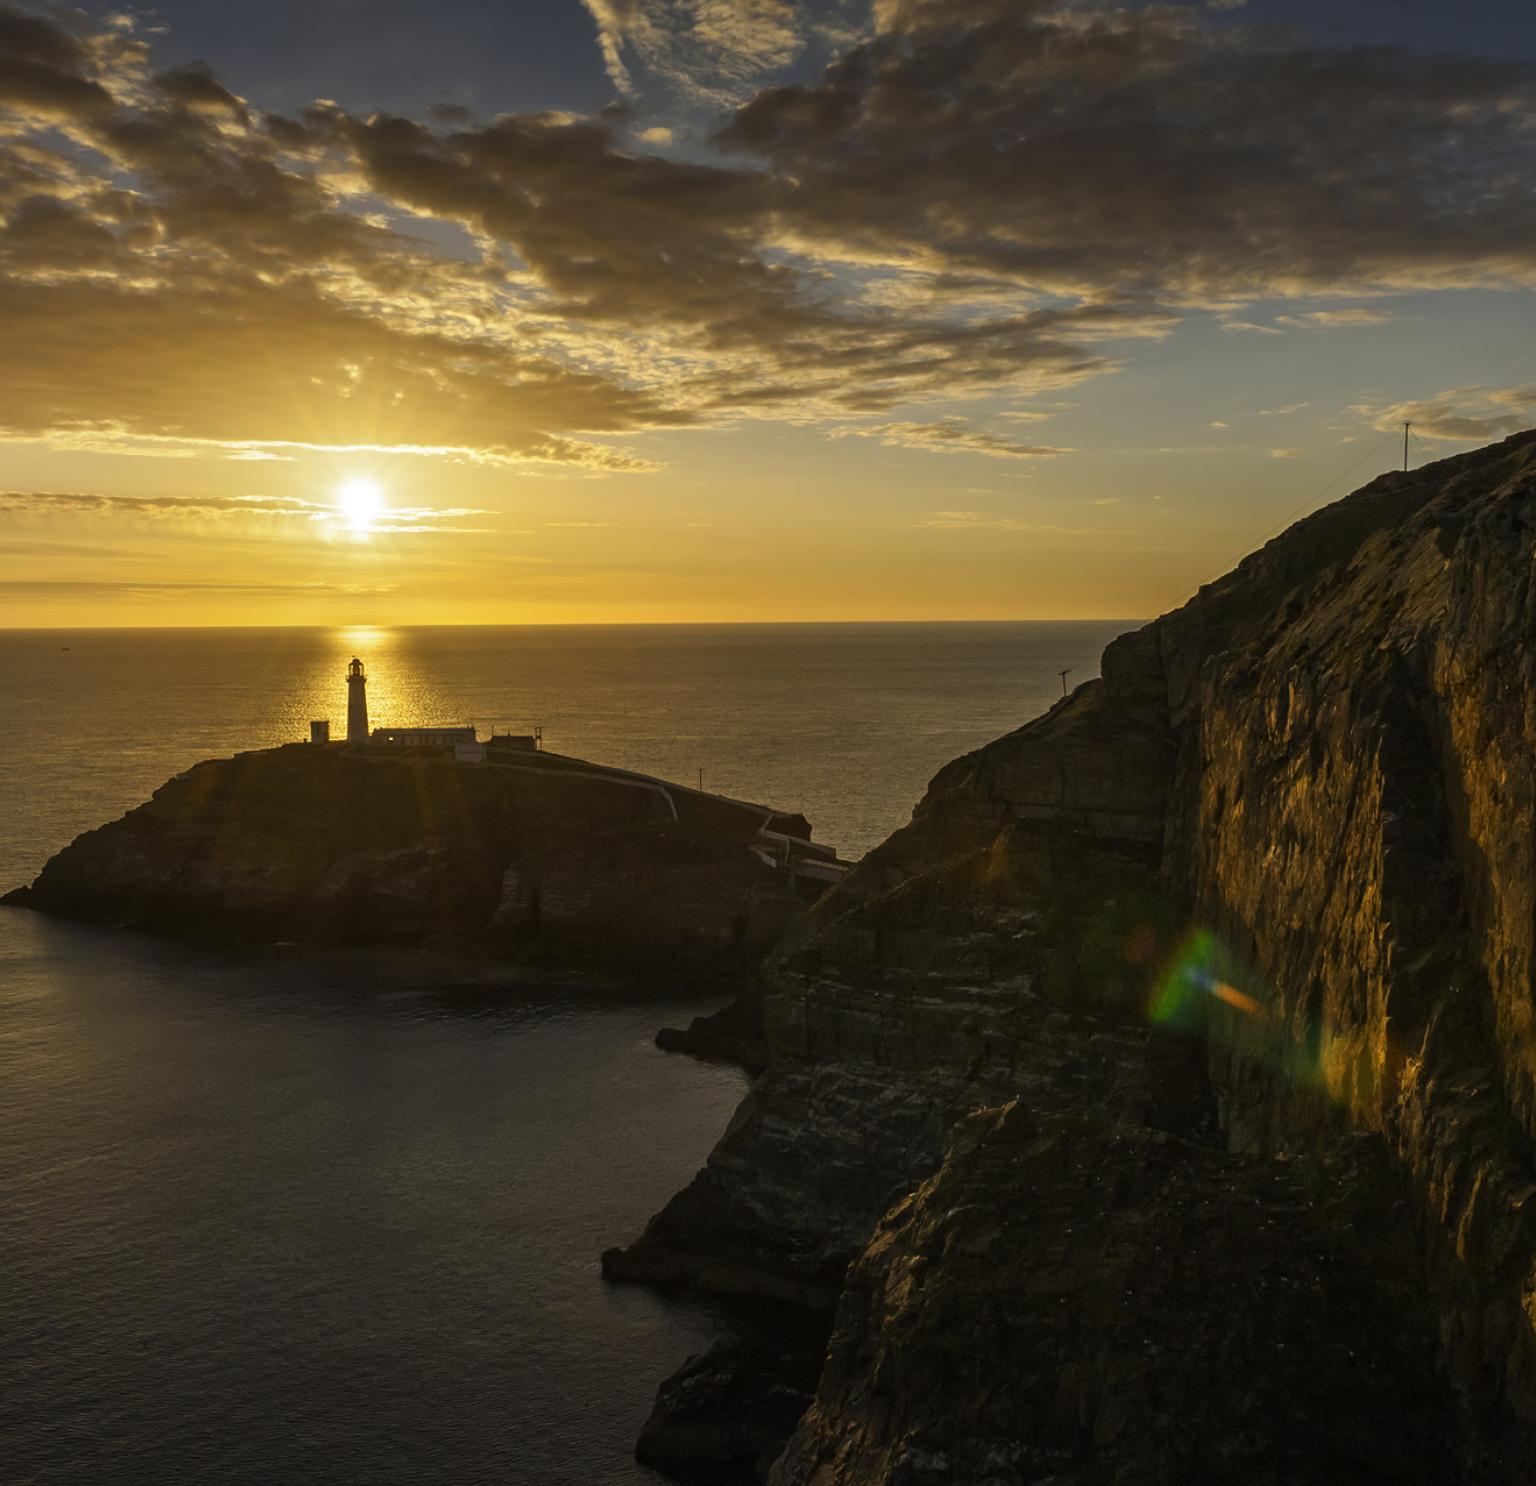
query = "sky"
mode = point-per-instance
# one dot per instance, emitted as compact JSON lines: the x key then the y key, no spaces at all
{"x":362,"y":312}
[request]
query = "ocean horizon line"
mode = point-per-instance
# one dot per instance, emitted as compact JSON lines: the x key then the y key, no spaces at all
{"x":655,"y":624}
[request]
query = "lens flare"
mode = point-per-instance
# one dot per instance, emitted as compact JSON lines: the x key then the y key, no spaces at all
{"x":1352,"y":1067}
{"x":1201,"y":969}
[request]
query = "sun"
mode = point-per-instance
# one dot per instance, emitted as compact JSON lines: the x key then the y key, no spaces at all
{"x":361,"y":503}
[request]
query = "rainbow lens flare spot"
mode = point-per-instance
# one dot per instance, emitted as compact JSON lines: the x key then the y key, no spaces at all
{"x":1198,"y":973}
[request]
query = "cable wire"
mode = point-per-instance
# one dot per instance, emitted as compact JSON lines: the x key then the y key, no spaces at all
{"x":1295,"y":515}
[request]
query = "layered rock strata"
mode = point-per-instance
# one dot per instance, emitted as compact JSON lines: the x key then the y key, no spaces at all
{"x":1076,"y":1300}
{"x":1291,"y":826}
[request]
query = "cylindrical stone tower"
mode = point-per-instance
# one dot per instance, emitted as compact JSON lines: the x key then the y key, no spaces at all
{"x":357,"y":703}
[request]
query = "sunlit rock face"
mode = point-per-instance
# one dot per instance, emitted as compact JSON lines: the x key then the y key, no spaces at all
{"x":1261,"y":893}
{"x":1355,"y":825}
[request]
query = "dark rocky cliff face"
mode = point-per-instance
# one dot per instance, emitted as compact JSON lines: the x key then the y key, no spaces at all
{"x":1236,"y":945}
{"x":341,"y":845}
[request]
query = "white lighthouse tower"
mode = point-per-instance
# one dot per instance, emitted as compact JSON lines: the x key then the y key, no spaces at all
{"x":357,"y":703}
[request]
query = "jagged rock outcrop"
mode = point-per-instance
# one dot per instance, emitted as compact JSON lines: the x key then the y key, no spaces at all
{"x":1076,"y":1300}
{"x":546,"y":858}
{"x":725,"y":1416}
{"x":1292,"y":826}
{"x":860,"y":1097}
{"x":735,"y":1033}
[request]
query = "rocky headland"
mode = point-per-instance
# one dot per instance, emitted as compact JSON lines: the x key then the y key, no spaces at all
{"x":539,"y":857}
{"x":1160,"y":1104}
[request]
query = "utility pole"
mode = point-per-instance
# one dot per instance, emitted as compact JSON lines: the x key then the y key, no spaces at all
{"x":1064,"y":674}
{"x":701,"y":781}
{"x":1406,"y":427}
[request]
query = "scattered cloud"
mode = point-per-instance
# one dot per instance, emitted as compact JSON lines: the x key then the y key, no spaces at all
{"x":955,"y":518}
{"x":949,"y":436}
{"x":42,"y":588}
{"x":1286,"y":453}
{"x":1219,"y":423}
{"x":984,"y":521}
{"x":1465,"y":414}
{"x":1337,"y":319}
{"x":234,"y":508}
{"x":1285,"y":412}
{"x":708,"y":50}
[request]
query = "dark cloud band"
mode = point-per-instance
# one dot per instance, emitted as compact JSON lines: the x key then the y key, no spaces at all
{"x":978,"y":197}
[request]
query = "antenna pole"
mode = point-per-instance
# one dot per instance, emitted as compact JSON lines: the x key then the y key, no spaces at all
{"x":1064,"y":674}
{"x":1406,"y":427}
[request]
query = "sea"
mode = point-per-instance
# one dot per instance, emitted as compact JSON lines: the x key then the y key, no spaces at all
{"x":284,"y":1216}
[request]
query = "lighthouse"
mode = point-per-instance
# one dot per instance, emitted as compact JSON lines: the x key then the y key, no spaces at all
{"x":357,"y":703}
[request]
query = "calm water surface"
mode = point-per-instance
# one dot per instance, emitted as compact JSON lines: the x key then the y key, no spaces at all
{"x":286,"y":1217}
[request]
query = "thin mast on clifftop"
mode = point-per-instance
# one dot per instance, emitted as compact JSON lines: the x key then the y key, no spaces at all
{"x":1406,"y":427}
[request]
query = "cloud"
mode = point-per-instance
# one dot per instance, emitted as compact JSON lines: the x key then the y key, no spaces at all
{"x":1336,"y":319}
{"x":234,"y":508}
{"x":568,"y":455}
{"x":681,"y":252}
{"x":43,"y":588}
{"x":954,"y":518}
{"x":57,"y":502}
{"x":709,"y":50}
{"x":181,"y":233}
{"x":984,"y":521}
{"x":49,"y":72}
{"x":950,"y":436}
{"x":1095,"y":151}
{"x":252,"y":364}
{"x":1465,"y":414}
{"x":1286,"y":453}
{"x":194,"y":86}
{"x":975,"y":198}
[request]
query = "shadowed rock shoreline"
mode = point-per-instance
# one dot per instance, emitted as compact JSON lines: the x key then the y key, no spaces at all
{"x":545,"y":860}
